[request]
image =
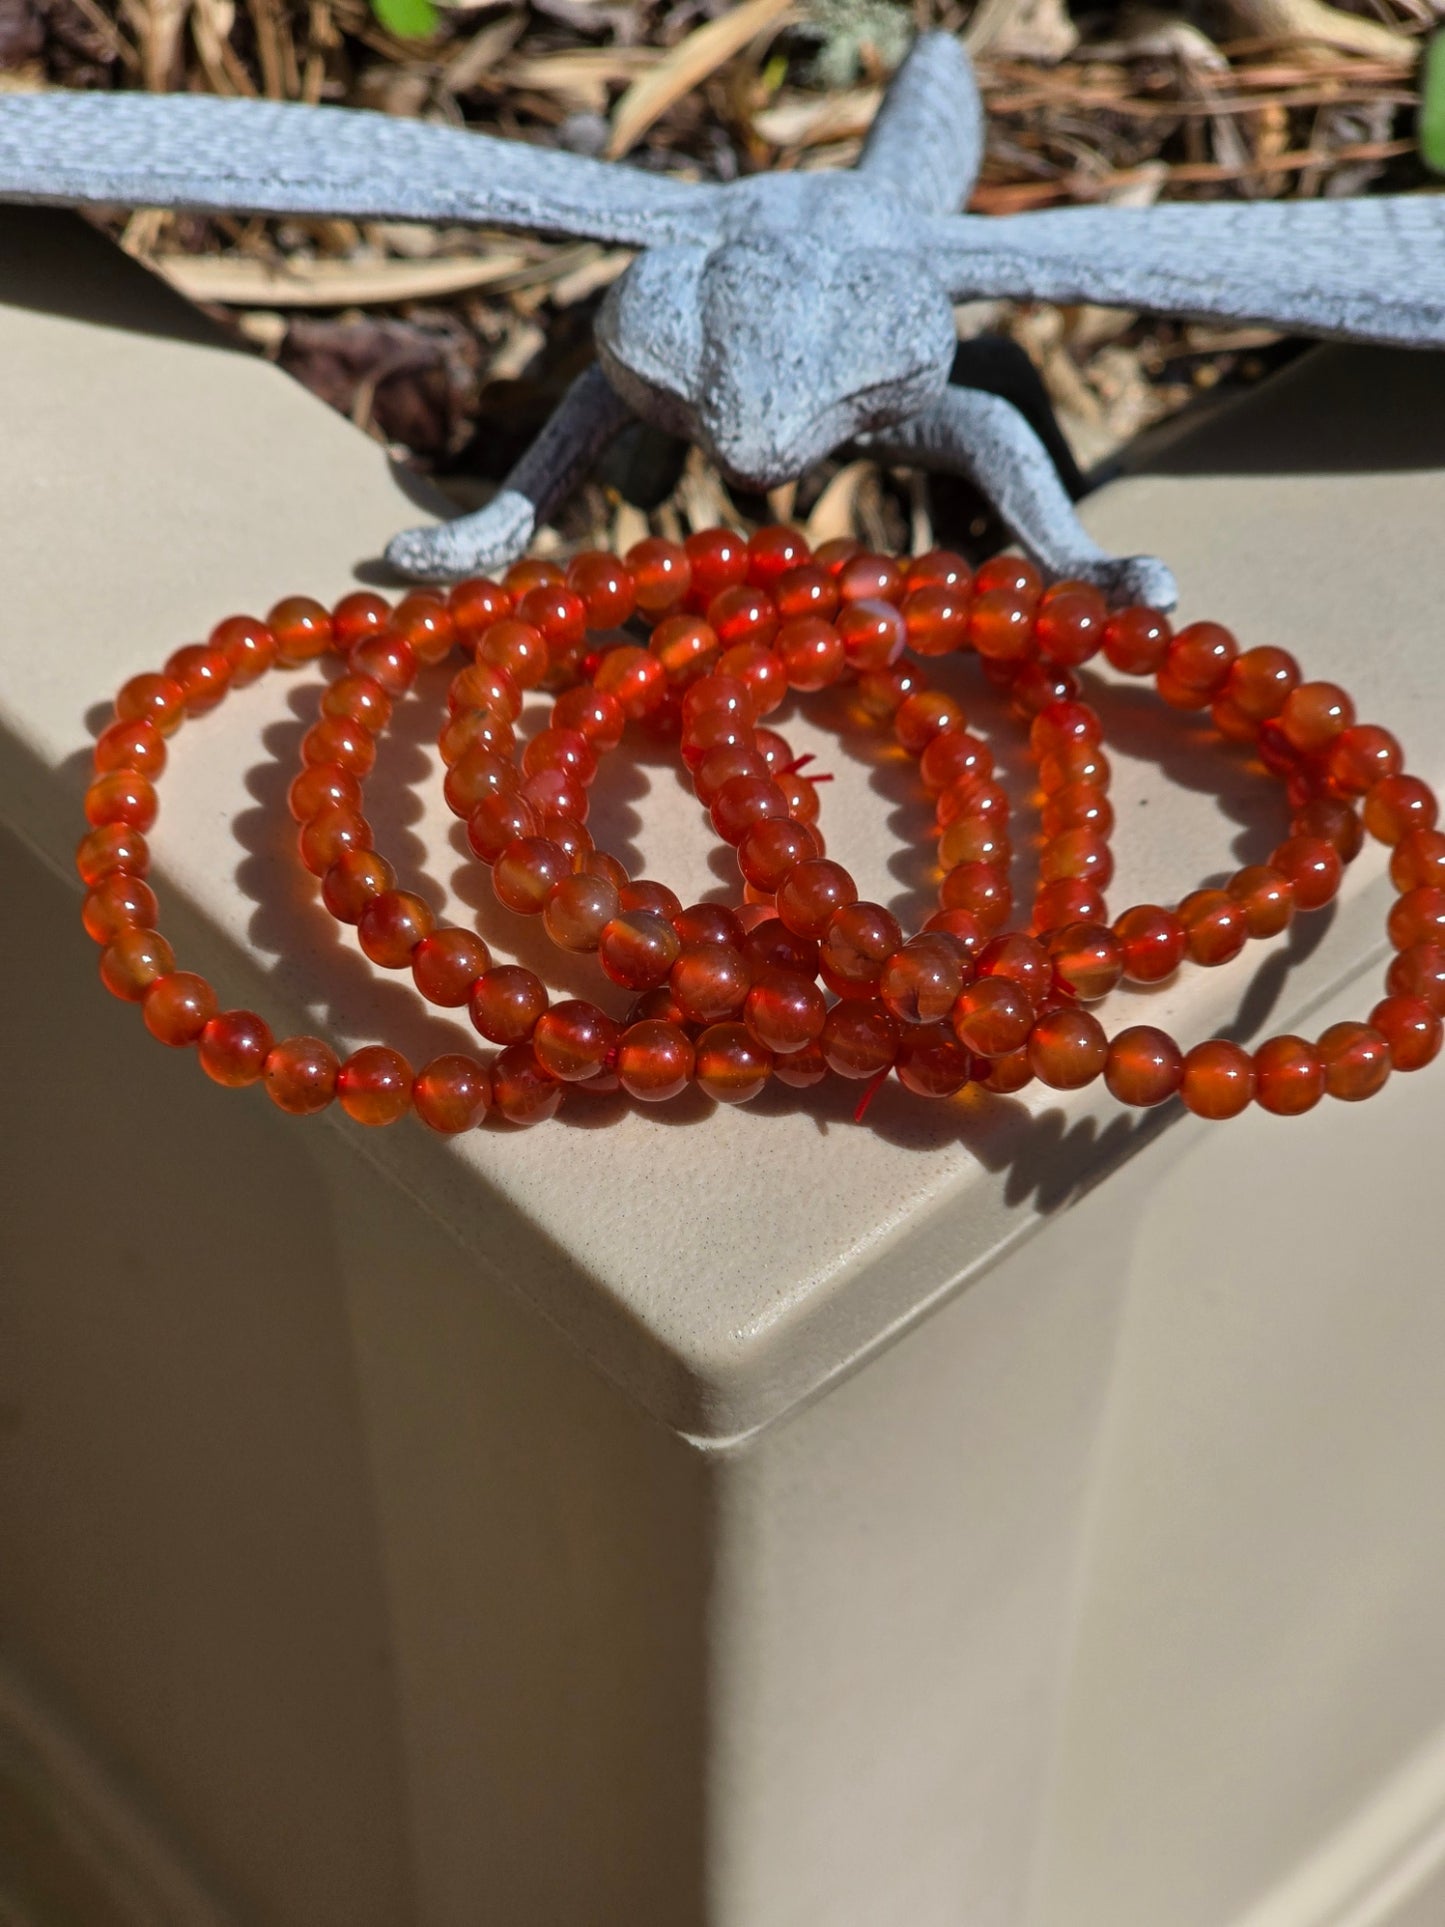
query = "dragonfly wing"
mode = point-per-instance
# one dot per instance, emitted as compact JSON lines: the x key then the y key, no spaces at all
{"x":1371,"y":269}
{"x":268,"y":157}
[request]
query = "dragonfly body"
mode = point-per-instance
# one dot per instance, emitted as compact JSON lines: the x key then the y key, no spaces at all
{"x":776,"y":318}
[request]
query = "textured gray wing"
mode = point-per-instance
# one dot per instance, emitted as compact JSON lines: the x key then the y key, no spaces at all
{"x":265,"y":157}
{"x":1370,"y":269}
{"x":927,"y":140}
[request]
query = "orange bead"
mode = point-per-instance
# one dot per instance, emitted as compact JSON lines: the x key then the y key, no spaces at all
{"x":1289,"y":1076}
{"x":1218,"y":1079}
{"x":302,"y":629}
{"x":731,"y":1066}
{"x":938,"y":568}
{"x":1266,"y":898}
{"x":1417,"y":917}
{"x":532,"y":572}
{"x":1009,"y":572}
{"x":1360,"y":756}
{"x":135,"y":745}
{"x":322,"y":786}
{"x":134,"y":961}
{"x":452,"y":1093}
{"x":801,"y":1069}
{"x":770,"y":848}
{"x":1002,"y":1075}
{"x":475,"y":605}
{"x":300,"y":1075}
{"x":522,"y":1092}
{"x":856,"y":942}
{"x":1215,"y":927}
{"x":1069,"y":627}
{"x":810,"y":892}
{"x":743,"y":801}
{"x":374,"y":1085}
{"x":981,"y":891}
{"x":654,"y":1061}
{"x":773,"y":551}
{"x":574,"y":1040}
{"x":506,"y":1002}
{"x":922,"y":716}
{"x":1411,"y":1029}
{"x":357,"y":617}
{"x":1075,"y":762}
{"x":1260,"y":681}
{"x":607,"y":587}
{"x":121,"y":796}
{"x":518,"y":647}
{"x":118,"y":902}
{"x":1333,"y":820}
{"x":931,"y":1062}
{"x":932,"y":622}
{"x":335,"y":740}
{"x":992,"y":1017}
{"x":811,"y":652}
{"x":1067,"y":900}
{"x":178,"y":1007}
{"x":1418,"y":861}
{"x":204,"y":673}
{"x":1356,"y":1059}
{"x":153,"y":699}
{"x":578,"y":910}
{"x":1199,"y":660}
{"x":1088,"y":960}
{"x":233,"y":1048}
{"x":634,"y":677}
{"x":1061,"y":727}
{"x":660,"y":574}
{"x":866,"y":576}
{"x":445,"y":965}
{"x":391,"y":926}
{"x":1081,"y":855}
{"x":1136,"y":639}
{"x":953,"y":759}
{"x":1313,"y":868}
{"x":354,"y":880}
{"x":709,"y":981}
{"x":328,"y":835}
{"x":873,"y":634}
{"x":1396,"y":805}
{"x":497,"y":819}
{"x":248,"y":646}
{"x":112,"y":850}
{"x":387,"y":660}
{"x":973,"y":839}
{"x":1022,"y":960}
{"x":1313,"y":715}
{"x":1067,"y":1048}
{"x":1077,"y":806}
{"x":921,"y":981}
{"x":1144,"y":1066}
{"x":526,"y":872}
{"x":357,"y":699}
{"x":859,"y":1039}
{"x":1419,"y":972}
{"x":1151,"y":941}
{"x":560,"y":614}
{"x":592,"y":714}
{"x":785,"y":1011}
{"x":638,"y":949}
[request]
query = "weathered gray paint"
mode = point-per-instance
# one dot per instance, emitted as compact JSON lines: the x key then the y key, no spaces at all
{"x":772,"y":319}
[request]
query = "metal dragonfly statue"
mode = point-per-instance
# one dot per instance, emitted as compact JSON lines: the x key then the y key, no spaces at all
{"x":775,"y":318}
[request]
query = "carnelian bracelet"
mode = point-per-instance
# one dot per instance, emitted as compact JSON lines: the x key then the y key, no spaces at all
{"x":729,"y":998}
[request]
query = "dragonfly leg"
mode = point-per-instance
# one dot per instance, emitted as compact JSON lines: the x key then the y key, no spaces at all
{"x":986,"y":438}
{"x":589,"y":415}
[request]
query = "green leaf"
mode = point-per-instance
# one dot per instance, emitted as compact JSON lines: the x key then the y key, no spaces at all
{"x":407,"y":19}
{"x":1431,"y":123}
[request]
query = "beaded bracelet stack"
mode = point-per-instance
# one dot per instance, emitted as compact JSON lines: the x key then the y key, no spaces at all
{"x":800,"y":979}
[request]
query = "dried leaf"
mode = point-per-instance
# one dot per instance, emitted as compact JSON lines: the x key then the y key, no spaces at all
{"x":810,"y":119}
{"x":687,"y":66}
{"x":241,"y":282}
{"x":835,"y":510}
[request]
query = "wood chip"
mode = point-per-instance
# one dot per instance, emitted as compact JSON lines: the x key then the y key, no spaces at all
{"x":686,"y":66}
{"x":834,"y":512}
